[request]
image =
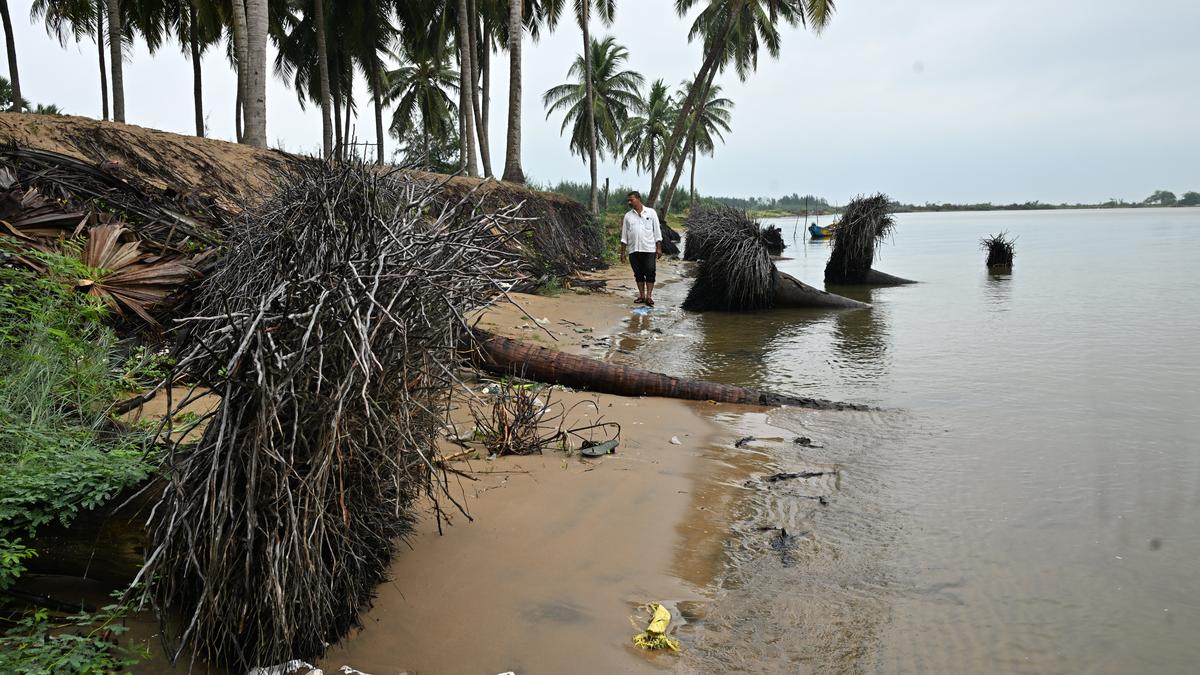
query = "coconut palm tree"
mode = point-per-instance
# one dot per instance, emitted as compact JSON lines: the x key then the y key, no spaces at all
{"x":421,"y":89}
{"x":711,"y":123}
{"x":606,"y":10}
{"x":648,"y":128}
{"x":615,"y":93}
{"x":70,"y":21}
{"x":512,"y":148}
{"x":733,"y":32}
{"x":11,"y":45}
{"x":6,"y":96}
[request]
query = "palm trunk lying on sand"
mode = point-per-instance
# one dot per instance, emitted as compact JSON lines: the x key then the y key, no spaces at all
{"x":505,"y":357}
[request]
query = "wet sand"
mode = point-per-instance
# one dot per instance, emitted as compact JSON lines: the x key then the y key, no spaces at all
{"x":562,"y":550}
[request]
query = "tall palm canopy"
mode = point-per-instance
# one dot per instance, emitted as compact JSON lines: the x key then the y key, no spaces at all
{"x":733,"y":31}
{"x":421,"y":90}
{"x":647,"y":130}
{"x":616,"y":93}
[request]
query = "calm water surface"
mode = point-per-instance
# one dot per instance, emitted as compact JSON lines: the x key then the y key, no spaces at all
{"x":1028,"y":500}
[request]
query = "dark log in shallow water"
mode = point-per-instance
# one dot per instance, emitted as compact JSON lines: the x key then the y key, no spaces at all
{"x":505,"y":357}
{"x":790,"y":292}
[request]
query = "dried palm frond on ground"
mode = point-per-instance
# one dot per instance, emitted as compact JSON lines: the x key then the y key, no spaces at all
{"x":735,"y":272}
{"x":1000,"y":249}
{"x":865,"y":222}
{"x":331,"y":333}
{"x":138,"y":254}
{"x":169,"y":220}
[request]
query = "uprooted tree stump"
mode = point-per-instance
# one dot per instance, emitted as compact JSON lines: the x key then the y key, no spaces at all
{"x":865,"y":222}
{"x":1000,"y":249}
{"x":735,"y":269}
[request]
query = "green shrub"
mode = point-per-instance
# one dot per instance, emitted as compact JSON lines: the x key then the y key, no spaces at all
{"x":56,"y":386}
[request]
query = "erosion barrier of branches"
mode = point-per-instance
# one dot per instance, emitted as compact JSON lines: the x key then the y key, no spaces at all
{"x":865,"y":222}
{"x":330,"y":332}
{"x":1000,"y":249}
{"x":560,"y":237}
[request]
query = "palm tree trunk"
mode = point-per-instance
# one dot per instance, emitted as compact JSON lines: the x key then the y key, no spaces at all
{"x":465,"y":91}
{"x":476,"y":95}
{"x":100,"y":32}
{"x":505,"y":357}
{"x":692,"y":180}
{"x":710,"y":61}
{"x":256,"y":85}
{"x":335,"y":103}
{"x":197,"y":85}
{"x":241,"y":55}
{"x":425,"y":145}
{"x":512,"y":153}
{"x":693,"y":130}
{"x":323,"y":76}
{"x":11,"y":44}
{"x":239,"y":131}
{"x":114,"y":52}
{"x":347,"y":141}
{"x":377,"y":86}
{"x":486,"y":97}
{"x":591,"y":105}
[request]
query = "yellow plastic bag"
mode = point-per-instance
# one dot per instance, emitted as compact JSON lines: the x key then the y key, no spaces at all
{"x":655,"y":636}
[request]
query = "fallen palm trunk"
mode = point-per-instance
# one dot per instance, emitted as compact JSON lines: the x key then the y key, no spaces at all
{"x":790,"y":292}
{"x":505,"y":357}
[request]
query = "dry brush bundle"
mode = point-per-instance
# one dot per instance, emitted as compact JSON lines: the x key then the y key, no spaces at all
{"x":1000,"y":249}
{"x":865,"y":222}
{"x":167,"y":220}
{"x":331,"y":334}
{"x":773,"y":238}
{"x":736,"y":273}
{"x":702,"y":222}
{"x":522,"y":418}
{"x":560,"y":236}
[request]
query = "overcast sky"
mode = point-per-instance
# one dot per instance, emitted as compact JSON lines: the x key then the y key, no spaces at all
{"x":942,"y":100}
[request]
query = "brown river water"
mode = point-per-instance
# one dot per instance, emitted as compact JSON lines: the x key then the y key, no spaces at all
{"x":1026,"y":499}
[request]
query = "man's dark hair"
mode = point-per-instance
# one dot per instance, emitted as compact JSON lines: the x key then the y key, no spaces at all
{"x":634,"y":193}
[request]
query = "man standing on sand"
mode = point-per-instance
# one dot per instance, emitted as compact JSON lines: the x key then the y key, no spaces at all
{"x":641,"y":236}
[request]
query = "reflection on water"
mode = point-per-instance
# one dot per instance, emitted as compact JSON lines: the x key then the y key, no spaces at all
{"x":998,"y":290}
{"x":1032,"y":511}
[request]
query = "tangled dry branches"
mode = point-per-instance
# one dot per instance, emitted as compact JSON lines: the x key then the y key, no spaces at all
{"x":330,"y":333}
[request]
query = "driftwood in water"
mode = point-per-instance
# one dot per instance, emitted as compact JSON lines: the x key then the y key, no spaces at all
{"x":790,"y":292}
{"x":505,"y":357}
{"x":865,"y":222}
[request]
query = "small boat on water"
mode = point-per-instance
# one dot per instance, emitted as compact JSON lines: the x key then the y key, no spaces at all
{"x":819,"y":232}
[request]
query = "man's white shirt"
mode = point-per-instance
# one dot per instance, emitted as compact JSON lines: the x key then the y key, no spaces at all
{"x":639,"y":232}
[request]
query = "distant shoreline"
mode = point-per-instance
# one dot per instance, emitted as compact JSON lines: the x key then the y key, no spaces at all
{"x":937,"y":208}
